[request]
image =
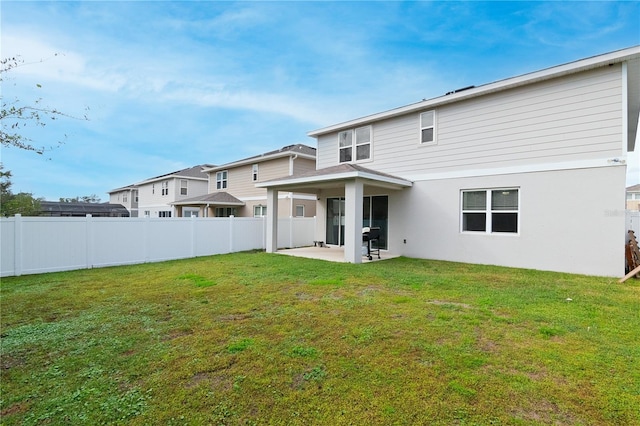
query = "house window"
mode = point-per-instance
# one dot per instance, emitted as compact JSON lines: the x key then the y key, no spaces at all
{"x":135,"y":195}
{"x":221,"y":180}
{"x":183,"y":187}
{"x":153,"y":188}
{"x":165,"y":213}
{"x":147,"y":213}
{"x":259,"y":211}
{"x":254,"y":173}
{"x":300,"y":210}
{"x":490,"y":210}
{"x":225,"y":211}
{"x":428,"y":128}
{"x":124,"y":197}
{"x":165,"y":187}
{"x":361,"y":143}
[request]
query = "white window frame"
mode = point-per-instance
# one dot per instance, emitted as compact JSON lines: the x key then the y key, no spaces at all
{"x":489,"y":211}
{"x":259,"y":210}
{"x":221,"y":179}
{"x":184,"y":187}
{"x":354,"y":143}
{"x":296,"y":210}
{"x":254,"y":173}
{"x":427,"y":126}
{"x":165,"y":187}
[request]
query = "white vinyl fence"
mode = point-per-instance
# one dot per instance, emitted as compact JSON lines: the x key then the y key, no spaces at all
{"x":33,"y":245}
{"x":633,"y":222}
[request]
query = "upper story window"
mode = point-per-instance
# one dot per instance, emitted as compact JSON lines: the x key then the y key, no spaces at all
{"x":153,"y":188}
{"x":428,"y":128}
{"x":254,"y":173}
{"x":183,"y":187}
{"x":124,"y":197}
{"x":165,"y":187}
{"x":490,"y":210}
{"x":221,"y":180}
{"x":358,"y":140}
{"x":300,"y":210}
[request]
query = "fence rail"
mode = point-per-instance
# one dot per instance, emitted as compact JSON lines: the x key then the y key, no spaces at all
{"x":34,"y":245}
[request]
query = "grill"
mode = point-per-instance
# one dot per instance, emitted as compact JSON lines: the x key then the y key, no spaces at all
{"x":370,"y":234}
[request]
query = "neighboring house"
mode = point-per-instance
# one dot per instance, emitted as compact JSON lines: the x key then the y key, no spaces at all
{"x":633,"y":197}
{"x":154,"y":196}
{"x":232,"y":189}
{"x":126,"y":196}
{"x":60,"y":209}
{"x":494,"y":174}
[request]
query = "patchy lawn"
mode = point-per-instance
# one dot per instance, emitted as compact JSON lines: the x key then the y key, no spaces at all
{"x":255,"y":338}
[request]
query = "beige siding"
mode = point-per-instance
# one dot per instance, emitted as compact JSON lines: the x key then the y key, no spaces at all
{"x":571,"y":118}
{"x":303,"y":165}
{"x":240,"y":183}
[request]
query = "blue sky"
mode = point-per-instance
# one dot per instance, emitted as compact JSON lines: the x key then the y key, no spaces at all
{"x":169,"y":85}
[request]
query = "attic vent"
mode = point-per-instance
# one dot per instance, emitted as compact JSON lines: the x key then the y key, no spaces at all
{"x":459,"y":90}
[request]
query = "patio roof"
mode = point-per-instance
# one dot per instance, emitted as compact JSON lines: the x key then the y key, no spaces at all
{"x":331,"y":176}
{"x":217,"y":198}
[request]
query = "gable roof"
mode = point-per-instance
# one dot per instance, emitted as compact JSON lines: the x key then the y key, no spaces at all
{"x":633,"y":188}
{"x":334,"y":174}
{"x":218,"y":198}
{"x":299,"y":150}
{"x":631,"y":54}
{"x":194,"y":172}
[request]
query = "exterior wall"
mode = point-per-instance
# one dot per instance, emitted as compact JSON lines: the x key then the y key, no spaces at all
{"x":128,"y":194}
{"x":556,"y":232}
{"x":573,"y":118}
{"x":151,"y":199}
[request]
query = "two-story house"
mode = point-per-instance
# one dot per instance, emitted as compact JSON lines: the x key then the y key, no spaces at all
{"x":232,"y":187}
{"x":493,"y":174}
{"x":154,"y":197}
{"x":126,"y":196}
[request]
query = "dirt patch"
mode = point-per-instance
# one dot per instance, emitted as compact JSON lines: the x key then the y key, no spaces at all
{"x":19,"y":408}
{"x":8,"y":362}
{"x":545,"y":412}
{"x":233,"y":317}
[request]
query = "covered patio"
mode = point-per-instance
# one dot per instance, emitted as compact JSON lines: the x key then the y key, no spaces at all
{"x":350,"y":181}
{"x":330,"y":254}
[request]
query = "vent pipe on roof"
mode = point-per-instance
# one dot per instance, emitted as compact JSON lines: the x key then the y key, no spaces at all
{"x":459,"y":90}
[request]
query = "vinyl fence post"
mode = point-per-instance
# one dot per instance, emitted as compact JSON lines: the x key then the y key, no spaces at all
{"x":89,"y":240}
{"x":290,"y":231}
{"x":231,"y":225}
{"x":145,"y":238}
{"x":17,"y":247}
{"x":193,"y":237}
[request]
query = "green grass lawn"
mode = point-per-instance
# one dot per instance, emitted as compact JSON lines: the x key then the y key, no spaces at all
{"x":256,"y":338}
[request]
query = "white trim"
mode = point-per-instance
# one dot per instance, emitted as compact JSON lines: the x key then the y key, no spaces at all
{"x":259,"y":159}
{"x":625,"y":107}
{"x":530,"y":168}
{"x":546,"y":74}
{"x":335,"y":177}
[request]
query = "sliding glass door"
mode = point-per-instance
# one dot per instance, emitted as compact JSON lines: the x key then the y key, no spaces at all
{"x":375,"y":213}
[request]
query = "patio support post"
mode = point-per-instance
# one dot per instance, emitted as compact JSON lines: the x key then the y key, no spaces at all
{"x":272,"y":220}
{"x":353,"y":193}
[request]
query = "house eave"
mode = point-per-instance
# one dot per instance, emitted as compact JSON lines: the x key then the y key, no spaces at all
{"x":260,"y":159}
{"x":501,"y":85}
{"x":337,"y":177}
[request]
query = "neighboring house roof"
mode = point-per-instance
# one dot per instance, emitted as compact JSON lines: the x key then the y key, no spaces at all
{"x":633,"y":188}
{"x":330,"y":175}
{"x":194,"y":172}
{"x":57,"y":208}
{"x":217,"y":198}
{"x":124,"y":188}
{"x":299,"y":150}
{"x":630,"y":54}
